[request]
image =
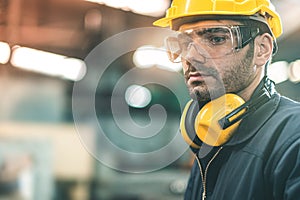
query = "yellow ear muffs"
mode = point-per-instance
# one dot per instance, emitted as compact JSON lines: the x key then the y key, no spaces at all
{"x":214,"y":123}
{"x":207,"y":125}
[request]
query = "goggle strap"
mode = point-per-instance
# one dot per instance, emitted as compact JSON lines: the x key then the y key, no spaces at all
{"x":248,"y":34}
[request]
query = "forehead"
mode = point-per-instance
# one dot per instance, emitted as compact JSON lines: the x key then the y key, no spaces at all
{"x":207,"y":23}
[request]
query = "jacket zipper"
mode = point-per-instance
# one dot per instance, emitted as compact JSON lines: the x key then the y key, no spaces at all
{"x":204,"y":175}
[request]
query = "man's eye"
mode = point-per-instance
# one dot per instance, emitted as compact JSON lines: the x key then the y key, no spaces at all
{"x":217,"y":40}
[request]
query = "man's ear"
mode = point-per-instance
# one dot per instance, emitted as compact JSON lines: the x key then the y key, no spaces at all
{"x":263,"y":49}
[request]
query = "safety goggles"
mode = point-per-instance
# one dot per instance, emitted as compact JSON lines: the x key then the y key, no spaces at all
{"x":210,"y":41}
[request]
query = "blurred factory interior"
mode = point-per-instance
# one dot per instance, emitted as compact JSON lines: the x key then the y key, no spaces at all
{"x":42,"y":156}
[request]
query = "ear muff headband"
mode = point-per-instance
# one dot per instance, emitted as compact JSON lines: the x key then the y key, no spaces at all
{"x":249,"y":106}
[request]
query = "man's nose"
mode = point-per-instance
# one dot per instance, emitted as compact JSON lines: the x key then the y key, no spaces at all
{"x":194,"y":53}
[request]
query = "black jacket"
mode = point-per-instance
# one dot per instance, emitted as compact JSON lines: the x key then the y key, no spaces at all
{"x":260,"y":162}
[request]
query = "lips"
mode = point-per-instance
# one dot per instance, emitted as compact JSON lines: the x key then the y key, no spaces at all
{"x":197,"y":77}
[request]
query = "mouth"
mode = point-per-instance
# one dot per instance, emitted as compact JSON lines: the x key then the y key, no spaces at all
{"x":197,"y":77}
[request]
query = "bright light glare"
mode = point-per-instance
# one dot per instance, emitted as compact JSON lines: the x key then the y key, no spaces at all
{"x":137,"y":96}
{"x":48,"y":63}
{"x":115,"y":3}
{"x":145,"y":56}
{"x":149,"y":56}
{"x":4,"y":52}
{"x":294,"y":71}
{"x":278,"y":71}
{"x":26,"y":183}
{"x":153,"y":8}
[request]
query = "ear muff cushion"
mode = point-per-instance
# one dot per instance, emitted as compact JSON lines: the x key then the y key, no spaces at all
{"x":187,"y":124}
{"x":207,"y":124}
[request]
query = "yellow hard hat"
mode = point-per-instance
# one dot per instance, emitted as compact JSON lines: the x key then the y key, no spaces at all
{"x":188,"y":8}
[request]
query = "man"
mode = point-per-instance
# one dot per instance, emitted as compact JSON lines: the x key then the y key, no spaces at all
{"x":247,"y":146}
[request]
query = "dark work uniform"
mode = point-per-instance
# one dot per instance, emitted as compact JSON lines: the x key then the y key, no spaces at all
{"x":260,"y":162}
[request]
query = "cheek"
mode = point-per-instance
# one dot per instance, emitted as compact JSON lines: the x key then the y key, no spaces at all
{"x":227,"y":70}
{"x":222,"y":67}
{"x":238,"y":73}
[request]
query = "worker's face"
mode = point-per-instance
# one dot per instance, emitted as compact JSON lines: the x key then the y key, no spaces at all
{"x":209,"y":73}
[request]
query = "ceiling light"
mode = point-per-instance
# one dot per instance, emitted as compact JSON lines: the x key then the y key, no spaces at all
{"x":278,"y":71}
{"x":137,"y":96}
{"x":149,"y":56}
{"x":48,"y":63}
{"x":153,"y":8}
{"x":294,"y":71}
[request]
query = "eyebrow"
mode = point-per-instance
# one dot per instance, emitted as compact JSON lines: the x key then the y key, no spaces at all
{"x":213,"y":30}
{"x":205,"y":30}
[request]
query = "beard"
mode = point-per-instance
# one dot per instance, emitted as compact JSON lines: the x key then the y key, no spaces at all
{"x":235,"y":78}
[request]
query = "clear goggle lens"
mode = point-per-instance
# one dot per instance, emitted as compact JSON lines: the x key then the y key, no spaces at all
{"x":209,"y":41}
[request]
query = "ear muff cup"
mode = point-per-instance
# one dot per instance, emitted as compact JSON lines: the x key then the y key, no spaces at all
{"x":187,"y":124}
{"x":205,"y":125}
